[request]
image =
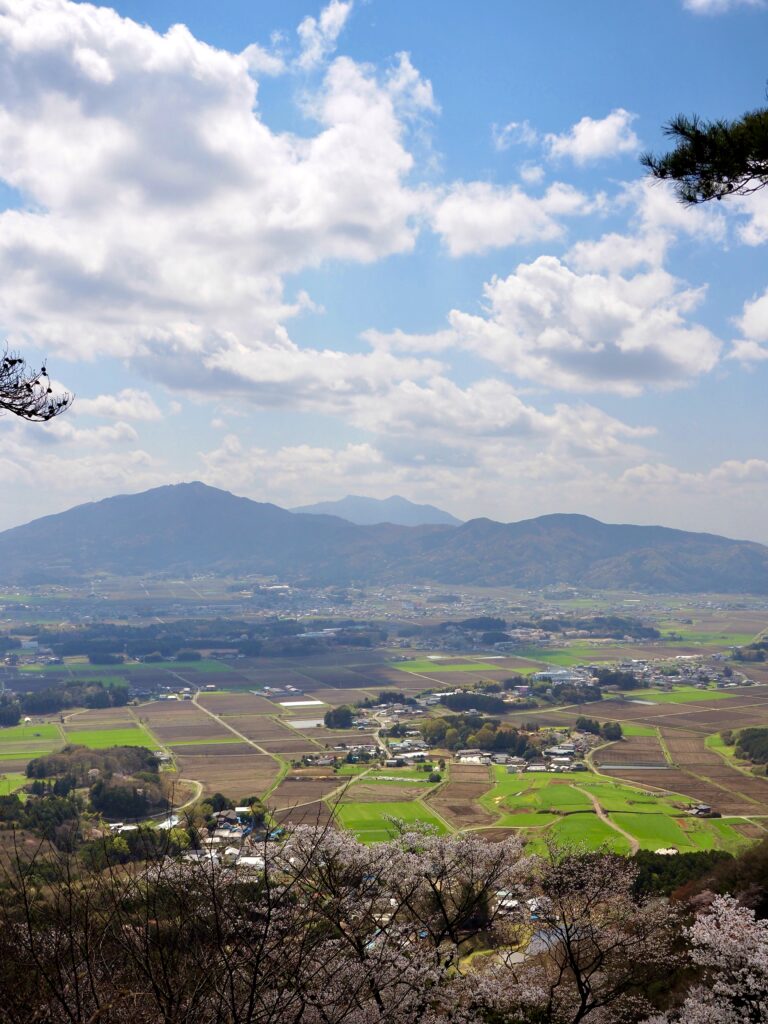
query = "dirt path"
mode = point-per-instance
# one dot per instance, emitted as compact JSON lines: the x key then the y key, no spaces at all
{"x":232,"y":729}
{"x":634,"y":845}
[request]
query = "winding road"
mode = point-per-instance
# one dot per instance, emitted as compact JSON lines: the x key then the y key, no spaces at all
{"x":633,"y":843}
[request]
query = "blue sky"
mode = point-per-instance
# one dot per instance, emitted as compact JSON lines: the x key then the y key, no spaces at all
{"x":300,"y":250}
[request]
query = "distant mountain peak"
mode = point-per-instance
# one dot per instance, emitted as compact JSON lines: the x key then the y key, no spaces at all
{"x":364,"y":511}
{"x":193,"y":527}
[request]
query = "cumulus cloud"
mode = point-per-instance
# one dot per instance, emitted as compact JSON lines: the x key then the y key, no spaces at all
{"x":163,"y":230}
{"x":473,"y":217}
{"x":441,"y":411}
{"x":318,"y":36}
{"x":584,"y":331}
{"x":594,"y":139}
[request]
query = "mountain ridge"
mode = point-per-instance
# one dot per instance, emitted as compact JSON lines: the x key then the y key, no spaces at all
{"x":365,"y":511}
{"x":192,"y":527}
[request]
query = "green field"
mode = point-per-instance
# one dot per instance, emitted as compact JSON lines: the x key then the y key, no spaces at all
{"x":561,"y":806}
{"x":369,"y":821}
{"x":629,"y":729}
{"x":589,"y":831}
{"x":693,"y":634}
{"x":100,"y":739}
{"x":426,"y":666}
{"x":655,"y":831}
{"x":562,"y":657}
{"x":715,"y":742}
{"x":680,"y":695}
{"x":25,"y":733}
{"x":10,"y":782}
{"x":24,"y":756}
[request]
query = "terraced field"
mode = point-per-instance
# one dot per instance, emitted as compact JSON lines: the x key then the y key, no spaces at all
{"x":457,"y":800}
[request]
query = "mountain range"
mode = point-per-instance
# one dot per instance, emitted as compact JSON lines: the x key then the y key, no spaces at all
{"x":192,"y":528}
{"x":369,"y":511}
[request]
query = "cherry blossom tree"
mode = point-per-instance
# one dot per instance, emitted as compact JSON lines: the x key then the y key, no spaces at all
{"x":595,"y":946}
{"x":731,"y":949}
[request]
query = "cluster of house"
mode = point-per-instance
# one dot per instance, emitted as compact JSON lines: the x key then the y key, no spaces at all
{"x":567,"y":756}
{"x":233,"y":841}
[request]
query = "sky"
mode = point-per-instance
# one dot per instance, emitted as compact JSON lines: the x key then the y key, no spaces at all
{"x":298,"y":250}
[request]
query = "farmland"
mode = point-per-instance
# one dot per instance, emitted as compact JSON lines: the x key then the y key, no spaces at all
{"x":248,"y":720}
{"x":99,"y":739}
{"x":369,"y":822}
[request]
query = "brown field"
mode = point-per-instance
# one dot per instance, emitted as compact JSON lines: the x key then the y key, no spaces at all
{"x":714,"y":721}
{"x":379,"y":676}
{"x":456,"y":801}
{"x":723,"y":788}
{"x":289,"y":746}
{"x":334,"y":678}
{"x":236,"y":776}
{"x":208,"y":750}
{"x":8,"y":764}
{"x":178,"y":721}
{"x":496,"y":835}
{"x":277,"y":676}
{"x":294,"y":791}
{"x":223,"y":680}
{"x":638,"y":750}
{"x":100,"y":718}
{"x":335,"y":737}
{"x":688,"y":748}
{"x":749,"y":830}
{"x":316,"y":813}
{"x":203,"y":729}
{"x":675,"y":781}
{"x":169,"y":711}
{"x":236,"y":704}
{"x":260,"y":727}
{"x":314,"y":772}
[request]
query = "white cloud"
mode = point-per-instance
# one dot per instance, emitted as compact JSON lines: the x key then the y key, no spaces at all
{"x":657,"y":221}
{"x":731,"y":472}
{"x":515,"y":133}
{"x":591,"y":139}
{"x":263,"y":62}
{"x":753,"y":324}
{"x":318,"y":36}
{"x":755,"y":209}
{"x":409,"y":90}
{"x":582,"y":331}
{"x":532,"y":174}
{"x":439,"y":411}
{"x":719,"y":6}
{"x":129,"y":403}
{"x":476,"y":216}
{"x":147,"y":126}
